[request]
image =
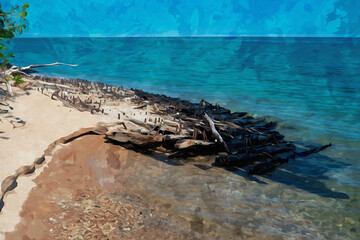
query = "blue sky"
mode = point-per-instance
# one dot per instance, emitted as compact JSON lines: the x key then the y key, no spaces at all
{"x":49,"y":18}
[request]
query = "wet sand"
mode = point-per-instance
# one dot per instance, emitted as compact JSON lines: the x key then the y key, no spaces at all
{"x":96,"y":190}
{"x":82,"y":193}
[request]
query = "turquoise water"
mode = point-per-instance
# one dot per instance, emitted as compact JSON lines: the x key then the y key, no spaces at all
{"x":310,"y":85}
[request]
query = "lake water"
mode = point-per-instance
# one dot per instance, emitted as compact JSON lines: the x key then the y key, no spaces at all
{"x":311,"y":86}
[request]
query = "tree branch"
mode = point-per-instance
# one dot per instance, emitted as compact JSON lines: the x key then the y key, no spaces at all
{"x":46,"y":65}
{"x":16,"y":69}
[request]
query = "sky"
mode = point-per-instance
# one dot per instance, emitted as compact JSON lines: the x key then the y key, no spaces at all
{"x":102,"y":18}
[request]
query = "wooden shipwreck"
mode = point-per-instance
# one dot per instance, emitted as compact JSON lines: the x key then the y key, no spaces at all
{"x":178,"y":128}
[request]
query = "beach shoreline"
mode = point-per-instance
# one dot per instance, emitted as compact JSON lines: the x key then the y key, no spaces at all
{"x":132,"y":118}
{"x":33,"y":126}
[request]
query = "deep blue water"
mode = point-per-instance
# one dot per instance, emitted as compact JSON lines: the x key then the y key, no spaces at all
{"x":310,"y":85}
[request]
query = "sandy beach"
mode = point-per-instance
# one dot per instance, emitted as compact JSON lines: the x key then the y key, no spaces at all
{"x":84,"y":160}
{"x":34,"y":127}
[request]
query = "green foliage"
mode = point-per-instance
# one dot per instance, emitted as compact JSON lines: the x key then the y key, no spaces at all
{"x":18,"y":79}
{"x":12,"y":23}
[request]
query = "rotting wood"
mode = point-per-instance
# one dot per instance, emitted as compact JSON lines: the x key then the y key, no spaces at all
{"x":186,"y":143}
{"x":174,"y":126}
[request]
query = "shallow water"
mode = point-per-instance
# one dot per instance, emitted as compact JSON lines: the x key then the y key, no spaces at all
{"x":310,"y":85}
{"x":106,"y":191}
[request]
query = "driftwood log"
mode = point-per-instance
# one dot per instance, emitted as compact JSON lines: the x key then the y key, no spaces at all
{"x":22,"y":70}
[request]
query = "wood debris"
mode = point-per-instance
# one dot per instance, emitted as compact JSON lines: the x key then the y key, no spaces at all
{"x":178,"y":128}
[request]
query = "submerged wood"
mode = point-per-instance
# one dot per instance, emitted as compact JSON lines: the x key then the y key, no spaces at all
{"x":311,"y":151}
{"x":258,"y":154}
{"x":263,"y":168}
